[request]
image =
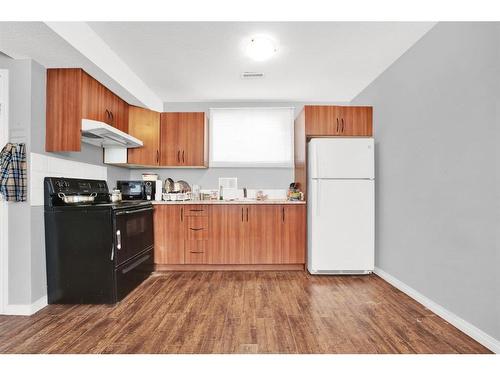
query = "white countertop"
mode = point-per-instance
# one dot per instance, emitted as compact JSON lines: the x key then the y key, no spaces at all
{"x":248,"y":201}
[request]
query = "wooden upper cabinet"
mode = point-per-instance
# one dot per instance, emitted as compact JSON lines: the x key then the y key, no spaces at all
{"x":293,"y":234}
{"x":93,"y":103}
{"x":183,"y":139}
{"x":337,"y":121}
{"x":120,"y":114}
{"x":64,"y":110}
{"x":170,"y":153}
{"x":73,"y":95}
{"x":322,"y":120}
{"x":356,"y":121}
{"x":144,"y":124}
{"x":169,"y":230}
{"x":192,"y":135}
{"x":101,"y":104}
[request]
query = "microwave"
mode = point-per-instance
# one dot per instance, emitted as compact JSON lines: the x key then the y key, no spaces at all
{"x":137,"y":189}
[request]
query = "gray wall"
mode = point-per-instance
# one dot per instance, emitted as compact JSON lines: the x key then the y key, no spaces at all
{"x":19,"y":256}
{"x":253,"y":178}
{"x":27,"y":279}
{"x":436,"y":125}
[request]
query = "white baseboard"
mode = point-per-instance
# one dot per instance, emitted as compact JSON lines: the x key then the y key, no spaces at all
{"x":464,"y":326}
{"x":26,"y":309}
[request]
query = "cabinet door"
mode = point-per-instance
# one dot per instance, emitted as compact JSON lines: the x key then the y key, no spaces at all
{"x":144,"y":124}
{"x":120,"y":114}
{"x":93,"y":99}
{"x":263,"y":233}
{"x":169,"y":234}
{"x":170,"y":147}
{"x":116,"y":111}
{"x":322,"y":120}
{"x":63,"y":110}
{"x":356,"y":121}
{"x":110,"y":108}
{"x":192,"y":138}
{"x":293,"y":234}
{"x":227,"y":235}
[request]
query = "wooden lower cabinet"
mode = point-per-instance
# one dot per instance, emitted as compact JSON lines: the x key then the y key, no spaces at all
{"x":169,"y":231}
{"x":230,"y":234}
{"x":293,"y":234}
{"x":227,"y":235}
{"x":263,"y":233}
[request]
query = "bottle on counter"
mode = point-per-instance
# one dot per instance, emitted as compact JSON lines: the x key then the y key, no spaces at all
{"x":221,"y":193}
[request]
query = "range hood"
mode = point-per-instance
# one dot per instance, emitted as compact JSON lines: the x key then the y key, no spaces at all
{"x":98,"y":133}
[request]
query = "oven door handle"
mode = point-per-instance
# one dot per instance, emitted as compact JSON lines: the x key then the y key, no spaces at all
{"x":136,"y":263}
{"x":118,"y":239}
{"x":134,"y":211}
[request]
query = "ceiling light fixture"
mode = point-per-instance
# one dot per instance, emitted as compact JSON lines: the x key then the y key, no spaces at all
{"x":261,"y":48}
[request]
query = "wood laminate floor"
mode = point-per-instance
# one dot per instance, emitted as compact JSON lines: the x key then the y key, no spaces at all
{"x":242,"y":312}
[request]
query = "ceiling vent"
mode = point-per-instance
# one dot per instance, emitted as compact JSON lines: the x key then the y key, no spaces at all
{"x":251,"y":75}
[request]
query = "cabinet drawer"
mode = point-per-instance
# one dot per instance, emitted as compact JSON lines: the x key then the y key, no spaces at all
{"x":197,"y":228}
{"x":196,"y":210}
{"x":194,"y":257}
{"x":196,"y":246}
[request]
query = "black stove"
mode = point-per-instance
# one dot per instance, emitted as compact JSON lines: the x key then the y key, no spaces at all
{"x":56,"y":187}
{"x":97,"y":251}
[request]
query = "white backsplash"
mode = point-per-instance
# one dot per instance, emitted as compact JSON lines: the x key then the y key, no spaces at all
{"x":42,"y":166}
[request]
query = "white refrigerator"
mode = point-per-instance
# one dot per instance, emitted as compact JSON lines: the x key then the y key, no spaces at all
{"x":341,"y":207}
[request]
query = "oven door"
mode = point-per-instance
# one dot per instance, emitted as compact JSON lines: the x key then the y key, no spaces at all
{"x":133,"y":232}
{"x":132,"y":273}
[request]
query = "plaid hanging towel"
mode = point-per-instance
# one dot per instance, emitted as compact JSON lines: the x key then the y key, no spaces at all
{"x":13,"y":172}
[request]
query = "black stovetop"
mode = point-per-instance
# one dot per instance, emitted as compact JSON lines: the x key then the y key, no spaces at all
{"x":75,"y":186}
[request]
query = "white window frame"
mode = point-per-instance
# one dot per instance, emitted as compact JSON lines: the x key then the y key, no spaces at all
{"x":213,"y":164}
{"x":4,"y":223}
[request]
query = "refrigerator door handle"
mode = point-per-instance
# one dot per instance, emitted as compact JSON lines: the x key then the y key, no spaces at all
{"x":316,"y":162}
{"x":318,"y":205}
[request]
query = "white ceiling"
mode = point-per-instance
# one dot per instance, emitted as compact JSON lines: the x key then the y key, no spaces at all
{"x":202,"y":61}
{"x":37,"y":41}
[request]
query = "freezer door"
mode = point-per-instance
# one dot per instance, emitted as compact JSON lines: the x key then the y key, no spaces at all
{"x":341,"y":232}
{"x":341,"y":158}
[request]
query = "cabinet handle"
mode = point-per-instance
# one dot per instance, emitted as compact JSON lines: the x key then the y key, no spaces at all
{"x":196,"y":229}
{"x":247,"y":214}
{"x":342,"y":125}
{"x":183,"y":156}
{"x":157,"y":156}
{"x":241,"y":213}
{"x":196,"y":252}
{"x":182,"y":213}
{"x":283,"y":214}
{"x":337,"y":124}
{"x":111,"y":115}
{"x":178,"y":156}
{"x":197,"y":210}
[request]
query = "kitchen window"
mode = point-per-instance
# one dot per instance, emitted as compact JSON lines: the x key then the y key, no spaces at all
{"x":251,"y":137}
